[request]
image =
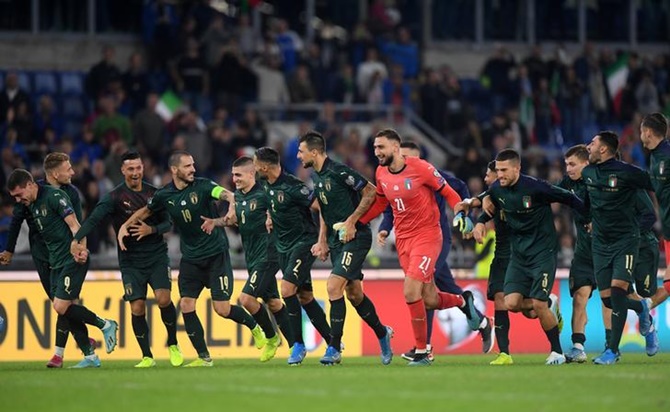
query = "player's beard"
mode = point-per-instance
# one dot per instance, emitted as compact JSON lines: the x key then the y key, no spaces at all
{"x":186,"y":177}
{"x":307,"y":164}
{"x":387,"y":160}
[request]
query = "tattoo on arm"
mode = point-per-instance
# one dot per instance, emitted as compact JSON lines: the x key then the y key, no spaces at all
{"x":367,"y":199}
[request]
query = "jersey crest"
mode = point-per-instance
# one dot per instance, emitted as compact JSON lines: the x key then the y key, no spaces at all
{"x":194,"y":197}
{"x":252,"y":205}
{"x":280,"y":197}
{"x":612,"y":181}
{"x":328,"y":187}
{"x":408,"y":184}
{"x":527,"y":202}
{"x":661,"y":167}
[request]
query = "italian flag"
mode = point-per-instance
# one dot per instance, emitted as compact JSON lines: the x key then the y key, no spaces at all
{"x":168,"y":105}
{"x":616,"y":77}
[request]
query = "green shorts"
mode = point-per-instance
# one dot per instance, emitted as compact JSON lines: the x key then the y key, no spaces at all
{"x":262,"y":282}
{"x":581,"y":273}
{"x":645,"y":273}
{"x":214,"y":272}
{"x":66,"y":282}
{"x":296,"y":265}
{"x":137,"y":275}
{"x":615,"y":261}
{"x":532,"y":279}
{"x":44,"y":272}
{"x":348,"y":258}
{"x":496,"y":283}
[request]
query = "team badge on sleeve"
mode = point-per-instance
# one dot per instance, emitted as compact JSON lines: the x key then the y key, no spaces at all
{"x":350,"y":180}
{"x":527,"y":203}
{"x":62,"y":201}
{"x":612,"y":181}
{"x":304,"y":190}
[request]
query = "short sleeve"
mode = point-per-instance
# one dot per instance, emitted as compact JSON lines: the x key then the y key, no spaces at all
{"x":156,"y":202}
{"x":302,"y":195}
{"x":60,"y":202}
{"x":430,"y":176}
{"x":351,"y":178}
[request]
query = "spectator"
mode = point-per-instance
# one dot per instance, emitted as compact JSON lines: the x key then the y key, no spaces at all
{"x":197,"y":142}
{"x":646,"y":95}
{"x":433,"y":100}
{"x":545,"y":114}
{"x":232,"y":79}
{"x":404,"y":52}
{"x":290,"y":45}
{"x":110,"y":126}
{"x":367,"y":69}
{"x":135,"y":83}
{"x":272,"y":86}
{"x":87,"y":149}
{"x":46,"y":119}
{"x":150,"y":130}
{"x":569,"y":100}
{"x":537,"y":68}
{"x":215,"y":38}
{"x":191,"y":78}
{"x":6,"y":213}
{"x":397,"y":91}
{"x":300,"y":86}
{"x":12,"y":95}
{"x":103,"y":74}
{"x":344,"y":87}
{"x":246,"y":36}
{"x":495,"y":76}
{"x":257,"y":129}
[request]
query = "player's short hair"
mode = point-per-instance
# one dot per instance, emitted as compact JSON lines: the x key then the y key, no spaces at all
{"x":54,"y":160}
{"x":314,"y":141}
{"x":508,"y":154}
{"x":131,"y":155}
{"x":409,"y":144}
{"x":609,"y":139}
{"x":491,"y":166}
{"x":267,"y":155}
{"x":175,"y":157}
{"x":243,"y":161}
{"x":579,"y":151}
{"x":657,"y":123}
{"x":390,"y":134}
{"x":19,"y":178}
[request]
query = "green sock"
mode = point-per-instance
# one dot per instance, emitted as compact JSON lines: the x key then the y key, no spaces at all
{"x":196,"y":334}
{"x":366,"y":310}
{"x":169,"y":318}
{"x":338,"y":311}
{"x":263,"y":320}
{"x":318,"y":318}
{"x":501,"y":321}
{"x":80,"y":333}
{"x":141,"y":330}
{"x":241,"y":316}
{"x":295,"y":317}
{"x":619,"y":313}
{"x":62,"y":331}
{"x":281,"y":316}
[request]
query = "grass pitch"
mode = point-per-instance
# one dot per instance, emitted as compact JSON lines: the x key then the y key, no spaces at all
{"x":458,"y":383}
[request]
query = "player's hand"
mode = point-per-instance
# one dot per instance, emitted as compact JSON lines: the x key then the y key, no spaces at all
{"x":381,"y":237}
{"x":320,"y":250}
{"x":588,"y":227}
{"x":463,"y":223}
{"x":6,"y":257}
{"x":140,"y":229}
{"x":479,"y":232}
{"x":462,"y":206}
{"x":123,"y":232}
{"x":208,"y":225}
{"x":82,"y":256}
{"x":488,"y":206}
{"x":268,"y":224}
{"x":230,"y":219}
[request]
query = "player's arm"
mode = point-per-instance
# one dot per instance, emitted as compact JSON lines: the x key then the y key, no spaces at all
{"x":377,"y":208}
{"x":221,"y":193}
{"x":141,"y":214}
{"x":19,"y":214}
{"x":556,"y":194}
{"x":432,"y":178}
{"x":386,"y":226}
{"x":104,"y":208}
{"x":320,"y":248}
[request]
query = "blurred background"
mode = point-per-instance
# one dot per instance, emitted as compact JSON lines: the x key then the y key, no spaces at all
{"x":463,"y":78}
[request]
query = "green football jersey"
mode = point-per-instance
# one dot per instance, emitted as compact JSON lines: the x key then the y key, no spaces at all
{"x":251,"y":210}
{"x":503,"y":248}
{"x":119,"y":204}
{"x":185,"y":207}
{"x":612,"y":196}
{"x":49,"y":210}
{"x":527,"y":210}
{"x":338,"y":189}
{"x":647,"y":218}
{"x":578,"y":187}
{"x":21,"y":212}
{"x":291,"y":216}
{"x":659,"y":171}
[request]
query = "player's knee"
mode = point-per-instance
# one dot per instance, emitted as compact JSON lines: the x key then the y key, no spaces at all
{"x":288,"y":289}
{"x":138,"y":307}
{"x":540,"y":305}
{"x":222,"y":309}
{"x":249,"y":302}
{"x":163,"y":298}
{"x":607,"y":302}
{"x":61,"y":306}
{"x":274,"y":305}
{"x":187,"y":305}
{"x":512,"y":305}
{"x":305,"y":296}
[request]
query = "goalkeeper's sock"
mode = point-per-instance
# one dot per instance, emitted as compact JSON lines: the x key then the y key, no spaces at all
{"x":417,"y":311}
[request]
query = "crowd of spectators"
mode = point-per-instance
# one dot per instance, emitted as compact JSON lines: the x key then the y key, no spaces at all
{"x":217,"y":64}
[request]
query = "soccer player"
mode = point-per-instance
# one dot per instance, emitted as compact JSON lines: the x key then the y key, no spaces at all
{"x":496,"y":281}
{"x":250,"y":214}
{"x":205,"y":261}
{"x":526,"y":203}
{"x":344,"y":196}
{"x":58,"y":173}
{"x":145,"y":261}
{"x":291,"y":220}
{"x":55,"y":219}
{"x":653,"y":134}
{"x":612,"y":195}
{"x":409,"y":185}
{"x":444,"y":280}
{"x":582,"y":280}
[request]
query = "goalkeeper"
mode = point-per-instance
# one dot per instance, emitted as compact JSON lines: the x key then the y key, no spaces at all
{"x":444,"y":279}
